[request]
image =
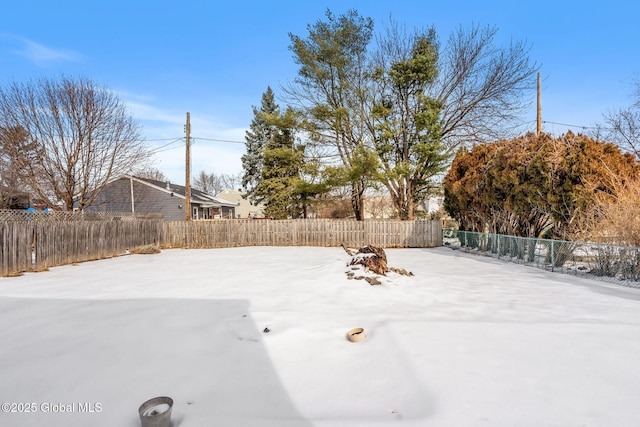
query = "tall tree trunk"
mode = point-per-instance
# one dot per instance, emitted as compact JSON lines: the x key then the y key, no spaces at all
{"x":357,"y":202}
{"x":403,"y":202}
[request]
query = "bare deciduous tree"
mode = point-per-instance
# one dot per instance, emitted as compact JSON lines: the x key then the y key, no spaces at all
{"x":212,"y":183}
{"x":622,"y":126}
{"x":614,"y":218}
{"x":151,"y":173}
{"x":79,"y":137}
{"x":207,"y":183}
{"x":474,"y":94}
{"x":624,"y":129}
{"x":406,"y":122}
{"x":481,"y":86}
{"x":430,"y":100}
{"x":230,"y":181}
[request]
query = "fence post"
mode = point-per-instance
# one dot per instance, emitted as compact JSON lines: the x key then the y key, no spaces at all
{"x":553,"y":258}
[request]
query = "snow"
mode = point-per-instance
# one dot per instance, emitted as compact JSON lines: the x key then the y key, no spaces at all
{"x":467,"y":341}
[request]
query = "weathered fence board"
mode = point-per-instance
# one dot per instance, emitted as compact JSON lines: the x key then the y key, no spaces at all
{"x":309,"y":232}
{"x":38,"y":245}
{"x":15,"y":248}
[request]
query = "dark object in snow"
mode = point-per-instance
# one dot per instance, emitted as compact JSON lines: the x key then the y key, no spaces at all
{"x":373,"y":258}
{"x":401,"y":271}
{"x":145,"y":250}
{"x":266,"y":330}
{"x":373,"y":281}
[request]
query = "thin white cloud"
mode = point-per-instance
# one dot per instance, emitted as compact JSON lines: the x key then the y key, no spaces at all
{"x":41,"y":54}
{"x":211,"y":150}
{"x":160,"y":122}
{"x":147,"y":112}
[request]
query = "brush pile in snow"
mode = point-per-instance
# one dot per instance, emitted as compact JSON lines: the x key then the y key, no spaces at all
{"x":372,"y":258}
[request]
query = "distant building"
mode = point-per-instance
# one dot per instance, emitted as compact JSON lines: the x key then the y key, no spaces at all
{"x":433,"y":204}
{"x":15,"y":199}
{"x":133,"y":194}
{"x":244,"y":208}
{"x":12,"y":199}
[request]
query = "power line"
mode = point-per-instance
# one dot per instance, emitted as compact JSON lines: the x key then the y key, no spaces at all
{"x":163,"y":147}
{"x":220,"y":140}
{"x":169,"y":146}
{"x":230,"y":141}
{"x":160,"y":139}
{"x":576,"y":126}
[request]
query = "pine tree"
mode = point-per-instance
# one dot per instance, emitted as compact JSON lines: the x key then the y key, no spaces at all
{"x":281,"y":165}
{"x":259,"y":133}
{"x":331,"y":88}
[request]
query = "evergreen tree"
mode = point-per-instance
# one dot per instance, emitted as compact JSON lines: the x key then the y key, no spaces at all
{"x":406,"y":99}
{"x":534,"y":185}
{"x":406,"y":122}
{"x":282,"y":162}
{"x":259,"y":133}
{"x":331,"y":88}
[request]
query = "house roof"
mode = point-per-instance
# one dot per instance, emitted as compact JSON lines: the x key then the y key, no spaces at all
{"x":197,"y":196}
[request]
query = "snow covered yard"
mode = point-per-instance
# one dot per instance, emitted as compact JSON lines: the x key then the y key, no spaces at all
{"x":467,"y":341}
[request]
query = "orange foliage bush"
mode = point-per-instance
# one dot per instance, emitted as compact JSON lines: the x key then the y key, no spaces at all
{"x":537,"y":185}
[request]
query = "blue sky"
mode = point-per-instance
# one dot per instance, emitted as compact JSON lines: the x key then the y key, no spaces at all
{"x":215,"y":59}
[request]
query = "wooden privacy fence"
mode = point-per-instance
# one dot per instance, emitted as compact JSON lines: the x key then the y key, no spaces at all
{"x":37,"y":245}
{"x":302,"y":232}
{"x":33,"y":245}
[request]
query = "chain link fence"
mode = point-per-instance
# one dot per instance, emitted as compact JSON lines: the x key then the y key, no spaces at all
{"x":614,"y":264}
{"x":53,"y":216}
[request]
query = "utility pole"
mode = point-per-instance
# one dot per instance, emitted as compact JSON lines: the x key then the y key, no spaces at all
{"x":187,"y":179}
{"x":539,"y":109}
{"x":133,"y":203}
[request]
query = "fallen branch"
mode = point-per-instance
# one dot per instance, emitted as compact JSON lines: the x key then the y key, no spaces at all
{"x":373,"y":259}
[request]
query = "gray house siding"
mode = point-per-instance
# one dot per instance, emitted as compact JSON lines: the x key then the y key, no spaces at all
{"x":155,"y":197}
{"x":116,"y":197}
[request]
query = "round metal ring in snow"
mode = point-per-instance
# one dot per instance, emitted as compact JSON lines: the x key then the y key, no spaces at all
{"x":156,"y":412}
{"x":356,"y":335}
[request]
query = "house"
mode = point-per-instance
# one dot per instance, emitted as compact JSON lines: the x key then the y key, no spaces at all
{"x":244,"y":207}
{"x":13,"y":199}
{"x":433,"y":204}
{"x":134,"y":194}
